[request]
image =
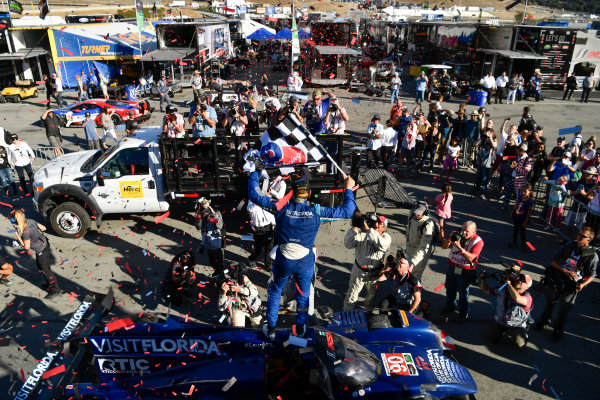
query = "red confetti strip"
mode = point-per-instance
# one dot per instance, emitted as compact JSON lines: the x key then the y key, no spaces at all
{"x":4,"y":204}
{"x":530,"y":246}
{"x":69,"y":52}
{"x":160,"y":218}
{"x":437,"y":289}
{"x":54,"y":371}
{"x":118,"y":324}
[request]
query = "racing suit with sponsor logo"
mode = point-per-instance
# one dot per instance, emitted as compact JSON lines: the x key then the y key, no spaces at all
{"x":297,"y":224}
{"x":419,"y":235}
{"x":460,"y":274}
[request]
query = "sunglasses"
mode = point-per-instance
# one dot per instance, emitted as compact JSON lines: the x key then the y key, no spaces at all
{"x":580,"y":235}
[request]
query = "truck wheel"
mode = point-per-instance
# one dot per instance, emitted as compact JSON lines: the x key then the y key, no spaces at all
{"x":70,"y":220}
{"x":2,"y":99}
{"x":36,"y":94}
{"x":17,"y":98}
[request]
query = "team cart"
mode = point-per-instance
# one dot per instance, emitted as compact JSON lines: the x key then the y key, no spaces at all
{"x":147,"y":172}
{"x":21,"y":90}
{"x":375,"y":355}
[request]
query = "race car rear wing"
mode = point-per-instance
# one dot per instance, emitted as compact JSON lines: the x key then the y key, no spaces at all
{"x":58,"y":363}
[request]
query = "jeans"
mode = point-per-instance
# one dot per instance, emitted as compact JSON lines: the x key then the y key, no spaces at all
{"x":6,"y":177}
{"x":420,"y":96}
{"x":499,"y":94}
{"x":519,"y":229}
{"x":59,"y":99}
{"x":568,"y":93}
{"x":565,"y":304}
{"x":468,"y":151}
{"x":81,"y":95}
{"x":373,"y":158}
{"x":332,"y":150}
{"x":512,"y":93}
{"x":482,"y":179}
{"x":164,"y":97}
{"x":429,"y":152}
{"x":395,"y":94}
{"x":20,"y":173}
{"x":386,"y":153}
{"x":263,"y":240}
{"x":43,"y":260}
{"x":458,"y":284}
{"x":303,"y":271}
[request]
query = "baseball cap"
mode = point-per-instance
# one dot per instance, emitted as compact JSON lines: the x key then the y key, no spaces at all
{"x":196,"y":72}
{"x":523,"y":146}
{"x":317,"y":93}
{"x":591,"y":171}
{"x":561,"y":139}
{"x":204,"y":201}
{"x":383,"y":220}
{"x":420,"y":209}
{"x":301,"y":186}
{"x":376,"y":117}
{"x":539,"y":128}
{"x":567,"y":154}
{"x":171,"y":109}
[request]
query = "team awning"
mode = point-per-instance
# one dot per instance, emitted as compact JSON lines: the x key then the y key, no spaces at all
{"x":338,"y":50}
{"x":168,"y":54}
{"x":22,"y":54}
{"x":523,"y":55}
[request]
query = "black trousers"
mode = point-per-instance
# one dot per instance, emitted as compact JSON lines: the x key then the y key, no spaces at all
{"x":500,"y":94}
{"x":373,"y":157}
{"x":565,"y":304}
{"x":43,"y":260}
{"x":568,"y":93}
{"x":215,"y":260}
{"x":386,"y":153}
{"x":263,"y":240}
{"x":519,"y":229}
{"x":21,"y":174}
{"x":585,"y":94}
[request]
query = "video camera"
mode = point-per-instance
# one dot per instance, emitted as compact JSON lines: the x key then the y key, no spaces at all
{"x":359,"y":220}
{"x":511,"y":272}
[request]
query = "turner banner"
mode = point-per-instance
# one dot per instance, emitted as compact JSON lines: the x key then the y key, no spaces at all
{"x":71,"y":43}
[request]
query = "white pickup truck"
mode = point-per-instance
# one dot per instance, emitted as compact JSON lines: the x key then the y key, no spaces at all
{"x":144,"y":173}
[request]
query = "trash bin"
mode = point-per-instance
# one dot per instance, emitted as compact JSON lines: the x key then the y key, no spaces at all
{"x":130,"y":93}
{"x":477,"y":97}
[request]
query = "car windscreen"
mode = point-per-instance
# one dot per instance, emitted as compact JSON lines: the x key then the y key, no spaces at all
{"x":116,"y":103}
{"x":97,"y":158}
{"x":349,"y":364}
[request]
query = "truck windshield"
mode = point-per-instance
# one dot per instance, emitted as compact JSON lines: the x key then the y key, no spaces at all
{"x":96,"y":159}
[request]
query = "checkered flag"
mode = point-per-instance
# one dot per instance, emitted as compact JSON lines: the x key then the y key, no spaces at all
{"x":289,"y":145}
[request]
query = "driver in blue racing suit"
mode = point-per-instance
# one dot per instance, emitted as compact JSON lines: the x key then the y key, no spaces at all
{"x":297,"y":224}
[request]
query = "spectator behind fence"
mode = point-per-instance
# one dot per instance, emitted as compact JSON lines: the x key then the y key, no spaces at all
{"x":579,"y":190}
{"x":520,"y":217}
{"x":556,"y":201}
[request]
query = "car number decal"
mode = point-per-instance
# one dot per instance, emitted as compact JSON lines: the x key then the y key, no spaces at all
{"x":399,"y":364}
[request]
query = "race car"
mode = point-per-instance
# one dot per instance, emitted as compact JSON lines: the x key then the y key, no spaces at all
{"x":21,"y":90}
{"x":376,"y":355}
{"x":75,"y":114}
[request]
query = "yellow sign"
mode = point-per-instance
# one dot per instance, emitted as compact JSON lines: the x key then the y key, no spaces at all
{"x":131,"y":189}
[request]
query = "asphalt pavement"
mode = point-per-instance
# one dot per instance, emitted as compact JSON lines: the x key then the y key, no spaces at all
{"x":131,"y":253}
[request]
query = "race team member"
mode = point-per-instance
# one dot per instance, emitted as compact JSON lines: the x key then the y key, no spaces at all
{"x":203,"y":118}
{"x":210,"y":223}
{"x":131,"y":125}
{"x":109,"y":125}
{"x":92,"y":136}
{"x":30,"y":236}
{"x":389,"y":143}
{"x":318,"y":109}
{"x":181,"y":278}
{"x":51,"y":122}
{"x":464,"y":255}
{"x":406,"y":293}
{"x":572,"y":269}
{"x":513,"y":305}
{"x":270,"y":116}
{"x":20,"y":156}
{"x":173,"y":123}
{"x":241,"y":301}
{"x":297,"y":226}
{"x":371,"y":243}
{"x":419,"y":237}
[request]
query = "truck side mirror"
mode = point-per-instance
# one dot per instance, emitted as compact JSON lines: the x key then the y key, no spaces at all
{"x":100,"y":178}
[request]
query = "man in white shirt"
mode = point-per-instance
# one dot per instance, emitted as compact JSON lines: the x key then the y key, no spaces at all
{"x":59,"y":90}
{"x":489,"y":83}
{"x":294,"y":82}
{"x":396,"y":84}
{"x":196,"y":83}
{"x":501,"y":82}
{"x":389,"y":143}
{"x":374,"y":133}
{"x":173,"y":123}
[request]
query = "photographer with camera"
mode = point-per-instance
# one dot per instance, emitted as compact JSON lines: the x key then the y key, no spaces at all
{"x":406,"y":294}
{"x":173,"y":123}
{"x":292,"y":107}
{"x":202,"y":118}
{"x":314,"y":111}
{"x":465,"y":248}
{"x":210,"y":223}
{"x":270,"y":115}
{"x":235,"y":120}
{"x":419,"y":238}
{"x":374,"y":134}
{"x":180,"y":278}
{"x":571,"y":269}
{"x":486,"y":156}
{"x":239,"y":297}
{"x":513,"y":305}
{"x":371,"y":242}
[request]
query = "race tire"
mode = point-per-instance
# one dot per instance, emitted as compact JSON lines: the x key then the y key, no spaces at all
{"x":117,"y":119}
{"x":17,"y":98}
{"x":147,"y":107}
{"x":35,"y":94}
{"x":70,"y":220}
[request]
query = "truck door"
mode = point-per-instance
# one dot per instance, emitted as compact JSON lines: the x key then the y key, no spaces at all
{"x":125,"y":183}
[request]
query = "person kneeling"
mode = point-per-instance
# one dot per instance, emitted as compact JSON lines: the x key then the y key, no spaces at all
{"x":513,"y":306}
{"x":406,"y":293}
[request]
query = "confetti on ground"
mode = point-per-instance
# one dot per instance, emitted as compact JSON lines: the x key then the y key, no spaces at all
{"x":160,"y":218}
{"x":437,"y":289}
{"x":54,"y":371}
{"x":530,"y":246}
{"x":357,"y":101}
{"x":229,"y":384}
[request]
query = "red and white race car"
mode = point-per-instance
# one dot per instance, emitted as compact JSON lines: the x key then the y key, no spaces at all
{"x":74,"y":115}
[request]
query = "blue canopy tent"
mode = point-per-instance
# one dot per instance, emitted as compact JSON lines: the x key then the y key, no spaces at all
{"x":302,"y":34}
{"x":260,"y":34}
{"x":286,"y":34}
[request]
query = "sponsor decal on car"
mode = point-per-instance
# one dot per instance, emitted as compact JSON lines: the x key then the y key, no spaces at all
{"x":131,"y":189}
{"x":399,"y":364}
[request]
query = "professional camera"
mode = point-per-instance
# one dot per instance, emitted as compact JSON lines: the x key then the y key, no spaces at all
{"x":203,"y":107}
{"x":457,"y":236}
{"x":292,"y":102}
{"x":311,"y":112}
{"x":359,"y":219}
{"x":232,"y":112}
{"x":512,"y":272}
{"x":333,"y":107}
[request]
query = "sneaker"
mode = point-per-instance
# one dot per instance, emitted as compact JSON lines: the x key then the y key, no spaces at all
{"x":53,"y":294}
{"x":5,"y":282}
{"x":462,"y":318}
{"x":269,"y":332}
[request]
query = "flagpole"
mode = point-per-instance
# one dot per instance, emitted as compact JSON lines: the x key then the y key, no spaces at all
{"x":524,"y":11}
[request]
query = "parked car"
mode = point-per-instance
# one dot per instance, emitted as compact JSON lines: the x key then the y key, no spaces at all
{"x":75,"y":114}
{"x":21,"y":90}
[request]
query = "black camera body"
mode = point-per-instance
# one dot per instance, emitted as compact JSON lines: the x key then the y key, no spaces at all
{"x":333,"y":107}
{"x":512,"y":273}
{"x":232,"y":112}
{"x":203,"y":107}
{"x":311,"y":112}
{"x":359,"y":220}
{"x":457,"y":237}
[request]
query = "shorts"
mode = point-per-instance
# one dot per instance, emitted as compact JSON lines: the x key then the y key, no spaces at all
{"x":406,"y":152}
{"x":54,"y":141}
{"x":450,"y":162}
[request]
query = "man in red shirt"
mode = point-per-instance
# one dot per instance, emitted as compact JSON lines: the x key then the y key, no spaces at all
{"x":396,"y":113}
{"x":465,"y":247}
